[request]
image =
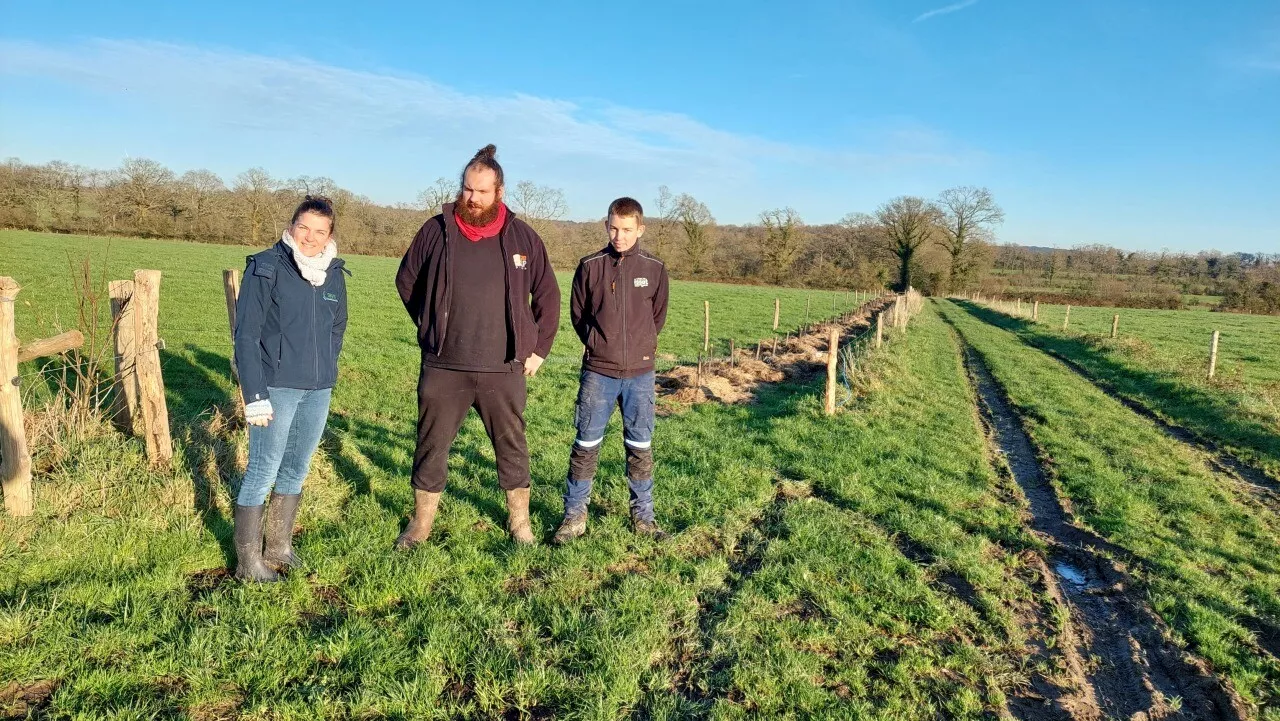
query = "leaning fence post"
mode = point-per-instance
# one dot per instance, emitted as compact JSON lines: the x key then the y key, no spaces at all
{"x":1115,"y":325}
{"x":1213,"y":355}
{"x":733,"y":352}
{"x":126,"y":415}
{"x":155,"y":412}
{"x":777,"y":309}
{"x":706,"y":326}
{"x":15,"y":458}
{"x":1066,"y":318}
{"x":833,"y":353}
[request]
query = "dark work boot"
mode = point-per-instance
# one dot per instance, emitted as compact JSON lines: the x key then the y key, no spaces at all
{"x":518,"y":516}
{"x":280,"y":516}
{"x":425,"y":504}
{"x":248,"y":539}
{"x":649,"y":528}
{"x":573,"y":526}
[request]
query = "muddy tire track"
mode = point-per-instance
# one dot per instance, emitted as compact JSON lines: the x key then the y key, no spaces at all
{"x":1220,"y":461}
{"x":1118,"y":657}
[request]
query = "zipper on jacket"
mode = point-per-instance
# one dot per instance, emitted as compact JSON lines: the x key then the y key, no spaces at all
{"x":626,"y":360}
{"x":315,"y":344}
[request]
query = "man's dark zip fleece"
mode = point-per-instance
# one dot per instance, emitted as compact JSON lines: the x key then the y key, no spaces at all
{"x":618,"y":307}
{"x":426,"y":276}
{"x":288,"y":332}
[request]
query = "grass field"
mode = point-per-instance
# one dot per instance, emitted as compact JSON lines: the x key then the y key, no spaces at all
{"x":1160,"y":359}
{"x":877,"y":564}
{"x":1204,"y":548}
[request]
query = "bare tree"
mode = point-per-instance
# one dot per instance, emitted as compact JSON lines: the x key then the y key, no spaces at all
{"x":968,"y":213}
{"x":663,"y":219}
{"x":539,"y":205}
{"x":199,"y":190}
{"x":144,"y":184}
{"x":435,"y":196}
{"x":256,"y":189}
{"x":696,"y":220}
{"x":907,"y":222}
{"x":782,"y":241}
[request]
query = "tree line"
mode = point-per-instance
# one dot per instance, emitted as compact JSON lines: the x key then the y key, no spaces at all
{"x":938,"y":245}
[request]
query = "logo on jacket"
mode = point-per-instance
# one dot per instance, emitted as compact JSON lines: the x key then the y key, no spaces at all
{"x":332,"y":297}
{"x":520,"y":261}
{"x":641,"y":282}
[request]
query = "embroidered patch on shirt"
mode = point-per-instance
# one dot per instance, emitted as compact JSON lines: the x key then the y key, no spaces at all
{"x":641,"y":282}
{"x":331,"y":297}
{"x":520,"y":261}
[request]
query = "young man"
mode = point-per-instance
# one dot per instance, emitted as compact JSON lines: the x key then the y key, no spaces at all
{"x":478,"y":284}
{"x":618,"y":307}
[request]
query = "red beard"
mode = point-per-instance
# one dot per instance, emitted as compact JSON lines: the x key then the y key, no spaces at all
{"x":477,"y":216}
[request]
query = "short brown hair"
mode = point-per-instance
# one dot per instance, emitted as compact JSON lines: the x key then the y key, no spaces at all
{"x":486,"y":158}
{"x":626,"y":208}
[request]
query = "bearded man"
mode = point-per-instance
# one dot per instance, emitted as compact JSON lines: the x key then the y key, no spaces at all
{"x":478,"y":284}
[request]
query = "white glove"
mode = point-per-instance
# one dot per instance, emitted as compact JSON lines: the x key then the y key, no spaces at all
{"x":258,"y":412}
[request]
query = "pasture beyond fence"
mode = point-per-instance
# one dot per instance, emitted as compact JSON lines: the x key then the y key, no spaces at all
{"x":1015,"y":309}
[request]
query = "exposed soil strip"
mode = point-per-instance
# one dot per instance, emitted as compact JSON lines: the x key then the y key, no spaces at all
{"x":1223,"y":462}
{"x":1137,"y":671}
{"x":798,"y":357}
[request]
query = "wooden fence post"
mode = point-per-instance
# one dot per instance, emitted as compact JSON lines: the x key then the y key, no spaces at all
{"x":1115,"y":325}
{"x":1213,"y":355}
{"x":126,"y":414}
{"x":833,"y":354}
{"x":15,"y":458}
{"x":759,"y":345}
{"x":808,"y":297}
{"x":774,"y":351}
{"x":880,"y":328}
{"x":733,"y":353}
{"x":706,"y":326}
{"x":155,"y":412}
{"x":697,"y":380}
{"x":777,"y":310}
{"x":1066,"y":318}
{"x":1035,"y":311}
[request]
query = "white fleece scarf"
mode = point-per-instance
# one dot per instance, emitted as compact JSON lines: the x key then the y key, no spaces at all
{"x":316,"y":268}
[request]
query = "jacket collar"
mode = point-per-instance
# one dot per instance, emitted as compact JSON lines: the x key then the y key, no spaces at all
{"x":613,"y":252}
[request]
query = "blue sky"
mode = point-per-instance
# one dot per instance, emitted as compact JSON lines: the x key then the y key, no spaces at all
{"x":1146,"y":125}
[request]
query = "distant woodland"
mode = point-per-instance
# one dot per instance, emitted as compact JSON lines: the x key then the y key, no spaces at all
{"x":940,"y":245}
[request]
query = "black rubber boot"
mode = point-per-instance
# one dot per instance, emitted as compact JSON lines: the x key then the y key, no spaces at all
{"x":280,"y":516}
{"x":248,"y":538}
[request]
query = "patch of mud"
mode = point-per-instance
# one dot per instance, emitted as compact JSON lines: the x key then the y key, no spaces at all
{"x":23,"y":700}
{"x":1134,"y":671}
{"x":736,"y":379}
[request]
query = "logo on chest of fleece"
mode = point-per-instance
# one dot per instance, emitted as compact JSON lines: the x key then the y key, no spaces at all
{"x":520,"y":261}
{"x":640,"y":282}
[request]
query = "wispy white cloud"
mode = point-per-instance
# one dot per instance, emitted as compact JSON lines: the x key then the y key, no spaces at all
{"x":945,"y":10}
{"x":247,"y":99}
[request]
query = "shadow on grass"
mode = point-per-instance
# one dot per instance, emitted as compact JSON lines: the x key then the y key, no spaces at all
{"x":1208,"y":415}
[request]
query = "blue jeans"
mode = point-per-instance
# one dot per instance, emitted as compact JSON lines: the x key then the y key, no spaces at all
{"x":597,"y":396}
{"x":280,"y":452}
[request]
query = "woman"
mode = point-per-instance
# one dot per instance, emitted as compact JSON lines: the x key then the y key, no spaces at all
{"x":290,"y":319}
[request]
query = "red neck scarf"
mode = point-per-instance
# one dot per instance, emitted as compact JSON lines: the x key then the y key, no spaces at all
{"x":476,"y":232}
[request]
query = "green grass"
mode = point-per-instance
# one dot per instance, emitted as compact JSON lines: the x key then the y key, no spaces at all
{"x":1206,"y":554}
{"x":111,"y":587}
{"x":1161,"y":360}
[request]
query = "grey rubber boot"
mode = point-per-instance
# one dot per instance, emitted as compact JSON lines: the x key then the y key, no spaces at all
{"x":280,"y":516}
{"x":425,"y":504}
{"x":518,"y":516}
{"x":248,"y":539}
